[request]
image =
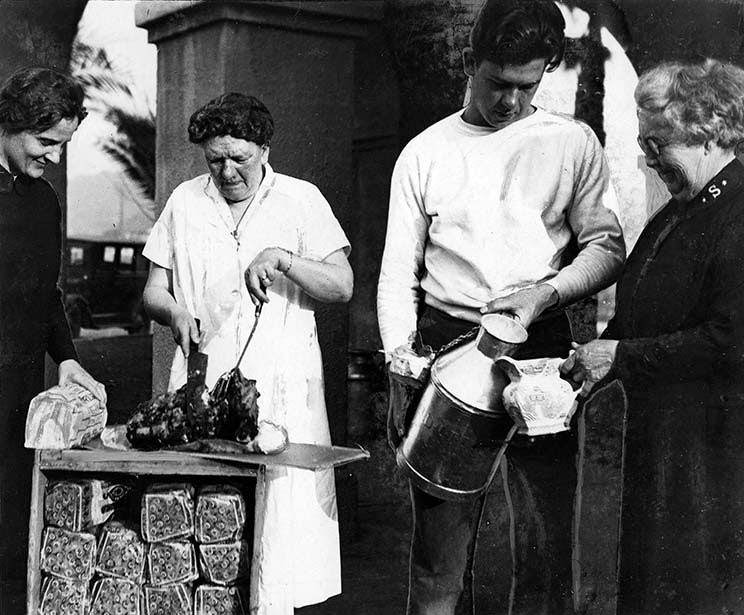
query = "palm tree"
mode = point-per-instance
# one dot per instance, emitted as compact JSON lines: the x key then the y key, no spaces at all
{"x":114,"y":97}
{"x":112,"y":94}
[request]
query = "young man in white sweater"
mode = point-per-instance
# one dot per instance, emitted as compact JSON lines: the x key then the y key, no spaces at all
{"x":500,"y":207}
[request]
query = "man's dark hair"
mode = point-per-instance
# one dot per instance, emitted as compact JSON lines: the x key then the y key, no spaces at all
{"x":35,"y":99}
{"x":517,"y":32}
{"x":235,"y":115}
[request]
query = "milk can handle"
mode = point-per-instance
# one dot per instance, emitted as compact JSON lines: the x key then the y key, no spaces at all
{"x":461,"y":339}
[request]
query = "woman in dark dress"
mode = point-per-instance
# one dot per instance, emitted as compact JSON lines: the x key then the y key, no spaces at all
{"x":676,"y":343}
{"x":40,"y":110}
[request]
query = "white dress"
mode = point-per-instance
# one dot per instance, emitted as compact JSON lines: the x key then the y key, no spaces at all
{"x":296,"y":558}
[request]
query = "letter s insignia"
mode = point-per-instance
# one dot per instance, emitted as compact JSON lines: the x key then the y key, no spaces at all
{"x":714,"y":191}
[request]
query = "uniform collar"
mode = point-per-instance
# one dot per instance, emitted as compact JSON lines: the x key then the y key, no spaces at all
{"x":727,"y":181}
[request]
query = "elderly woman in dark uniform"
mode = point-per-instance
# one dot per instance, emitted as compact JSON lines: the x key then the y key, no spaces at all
{"x":676,"y":344}
{"x":40,"y":110}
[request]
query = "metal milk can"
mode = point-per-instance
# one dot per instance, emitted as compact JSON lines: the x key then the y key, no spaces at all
{"x":460,"y":429}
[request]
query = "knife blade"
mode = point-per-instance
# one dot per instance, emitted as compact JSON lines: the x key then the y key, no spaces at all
{"x":195,"y":377}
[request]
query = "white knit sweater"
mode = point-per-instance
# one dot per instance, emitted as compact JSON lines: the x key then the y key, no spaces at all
{"x":477,"y":213}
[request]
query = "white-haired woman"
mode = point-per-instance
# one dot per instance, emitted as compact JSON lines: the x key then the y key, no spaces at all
{"x":677,"y":345}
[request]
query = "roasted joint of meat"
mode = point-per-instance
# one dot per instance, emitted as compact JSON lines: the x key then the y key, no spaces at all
{"x":229,"y":411}
{"x":238,"y":399}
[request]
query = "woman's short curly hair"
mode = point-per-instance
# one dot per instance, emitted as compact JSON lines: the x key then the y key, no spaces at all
{"x":235,"y":115}
{"x":35,"y":99}
{"x":516,"y":32}
{"x":695,"y":103}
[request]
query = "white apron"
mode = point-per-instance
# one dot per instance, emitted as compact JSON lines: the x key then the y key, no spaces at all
{"x":296,"y":558}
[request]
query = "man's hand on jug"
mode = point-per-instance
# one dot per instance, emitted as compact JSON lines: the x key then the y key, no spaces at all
{"x":525,"y":305}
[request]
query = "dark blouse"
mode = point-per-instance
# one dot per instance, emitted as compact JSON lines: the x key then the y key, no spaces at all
{"x":32,"y":316}
{"x":32,"y":322}
{"x":680,"y":322}
{"x":680,"y":300}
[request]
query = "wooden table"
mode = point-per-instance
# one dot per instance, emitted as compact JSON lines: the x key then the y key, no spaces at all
{"x":99,"y":460}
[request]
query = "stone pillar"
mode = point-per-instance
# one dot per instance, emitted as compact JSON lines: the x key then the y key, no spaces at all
{"x":298,"y":58}
{"x":376,"y":147}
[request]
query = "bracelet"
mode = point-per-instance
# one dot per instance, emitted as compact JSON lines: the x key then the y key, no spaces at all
{"x":291,"y":260}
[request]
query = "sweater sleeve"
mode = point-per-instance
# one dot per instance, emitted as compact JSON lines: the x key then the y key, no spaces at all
{"x":59,"y":343}
{"x":595,"y":226}
{"x":701,"y":351}
{"x":398,"y":293}
{"x":59,"y":340}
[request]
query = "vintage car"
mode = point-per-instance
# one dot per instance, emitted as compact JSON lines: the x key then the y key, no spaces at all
{"x":104,"y":285}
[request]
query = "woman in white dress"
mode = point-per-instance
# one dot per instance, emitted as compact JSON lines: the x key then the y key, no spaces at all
{"x":225,"y":241}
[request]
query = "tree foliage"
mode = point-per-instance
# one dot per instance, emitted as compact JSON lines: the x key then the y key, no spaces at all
{"x":112,"y":94}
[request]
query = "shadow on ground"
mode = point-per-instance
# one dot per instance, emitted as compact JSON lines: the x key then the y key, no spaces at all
{"x":375,"y":538}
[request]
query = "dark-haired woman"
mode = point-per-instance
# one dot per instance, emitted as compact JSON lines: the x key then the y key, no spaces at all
{"x":40,"y":110}
{"x":230,"y":238}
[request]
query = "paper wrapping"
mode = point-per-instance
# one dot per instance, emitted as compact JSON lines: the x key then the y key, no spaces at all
{"x":76,"y":505}
{"x":171,"y":562}
{"x":121,"y":553}
{"x":167,"y":512}
{"x":63,"y":596}
{"x":271,"y":438}
{"x":225,"y":563}
{"x":220,"y":514}
{"x":114,"y":597}
{"x":63,"y":417}
{"x":410,"y":367}
{"x":168,"y":600}
{"x":70,"y":555}
{"x":216,"y":600}
{"x":412,"y":361}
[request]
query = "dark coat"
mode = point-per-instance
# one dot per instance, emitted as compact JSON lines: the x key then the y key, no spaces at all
{"x":680,"y":322}
{"x":32,"y":323}
{"x":32,"y":316}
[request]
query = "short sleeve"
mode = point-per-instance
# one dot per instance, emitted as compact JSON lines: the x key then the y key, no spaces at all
{"x":321,"y":234}
{"x":159,"y":246}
